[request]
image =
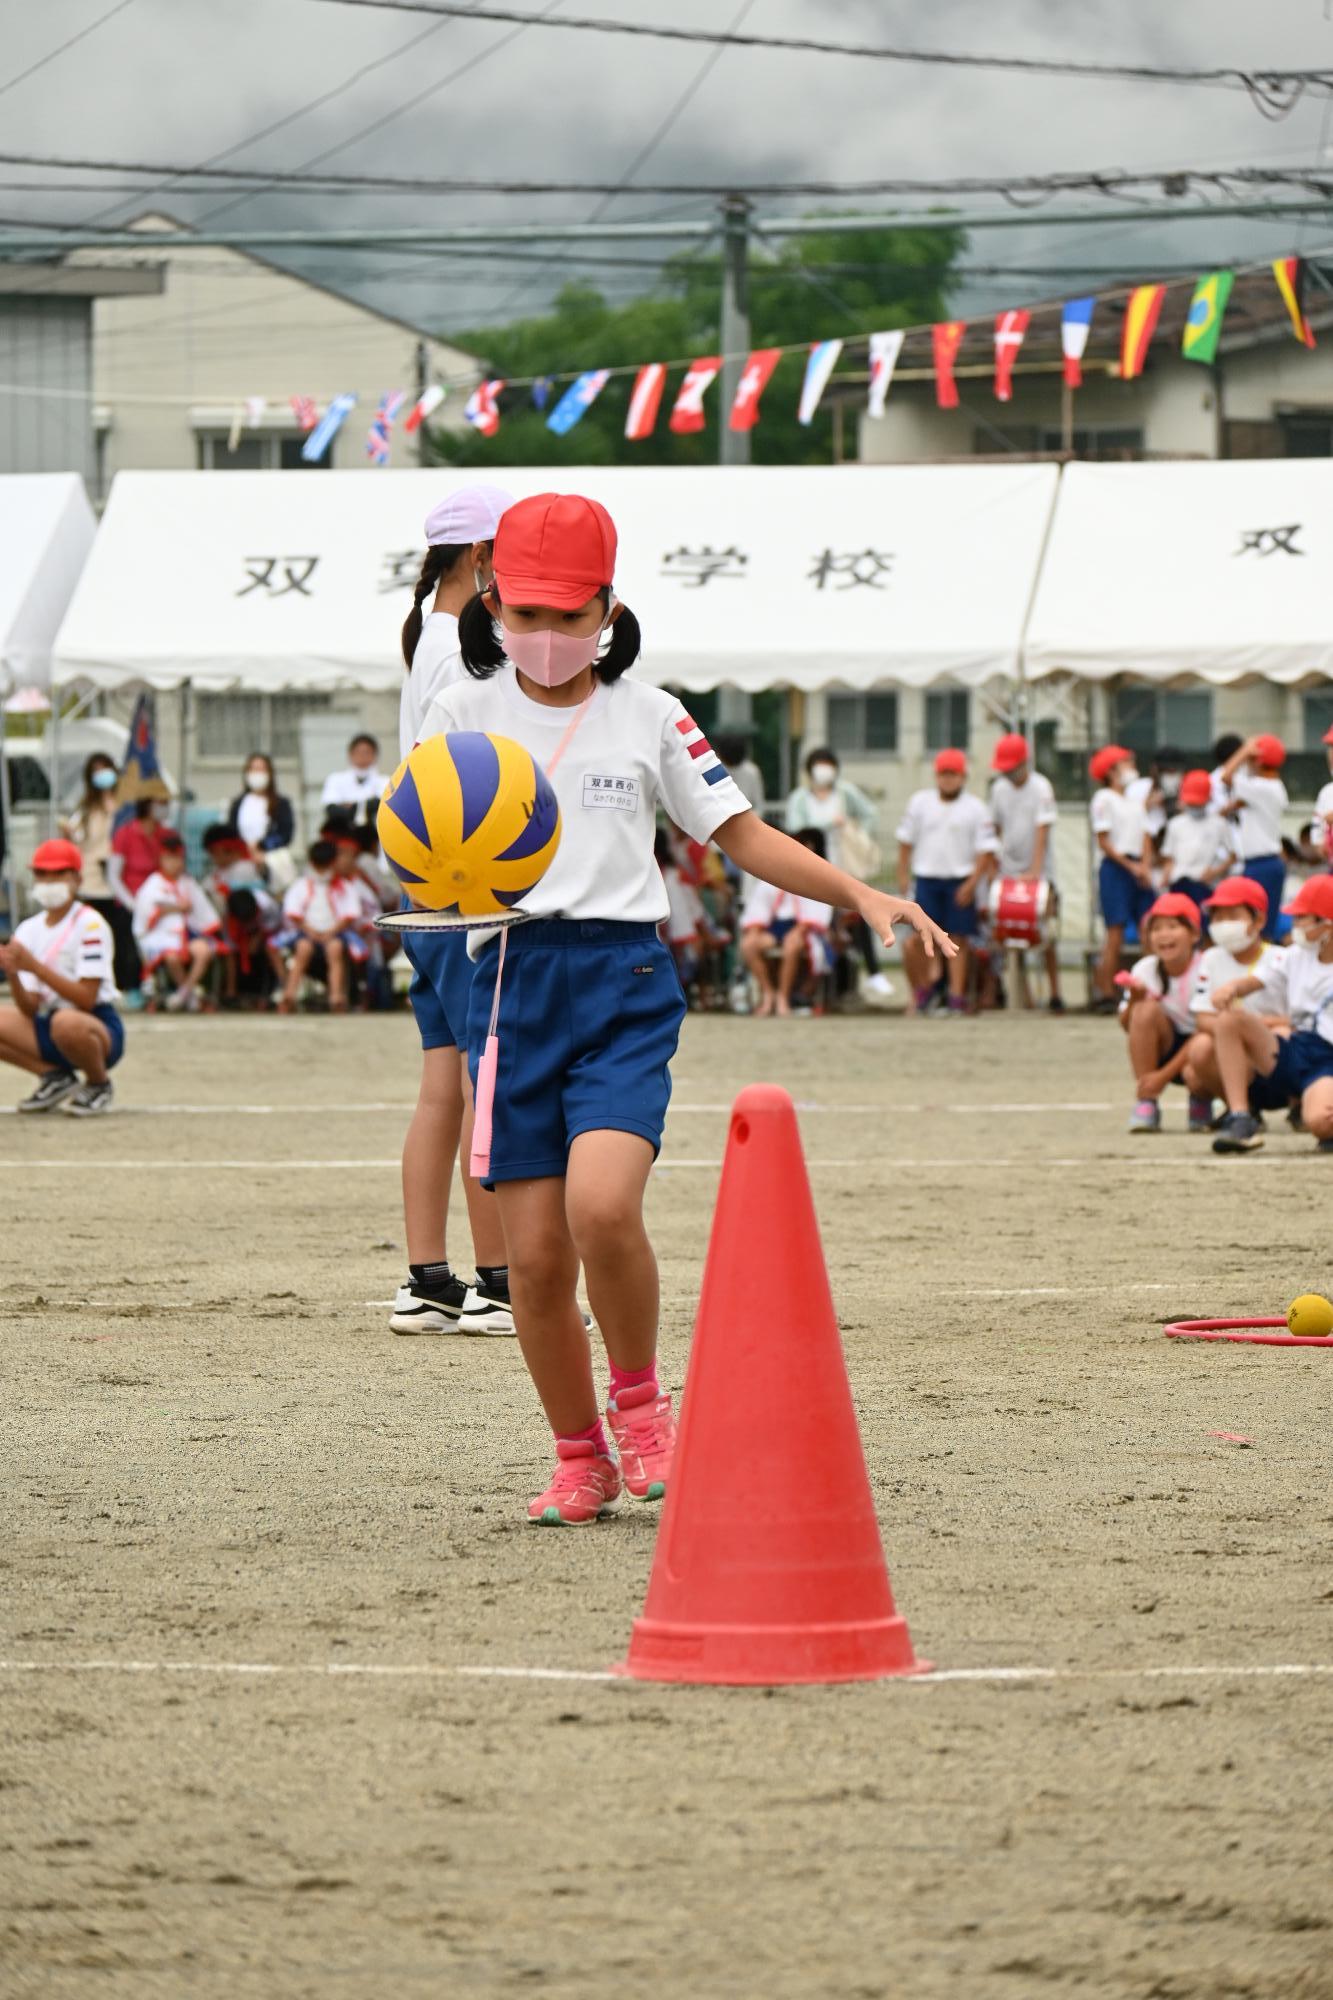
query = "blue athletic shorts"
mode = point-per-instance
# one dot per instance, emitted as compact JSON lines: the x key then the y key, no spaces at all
{"x":938,"y":897}
{"x":1123,"y":898}
{"x":1302,"y":1059}
{"x":441,"y":986}
{"x":106,"y":1014}
{"x":590,"y":1015}
{"x":1270,"y":872}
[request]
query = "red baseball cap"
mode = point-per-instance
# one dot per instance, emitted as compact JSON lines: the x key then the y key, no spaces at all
{"x":1176,"y":905}
{"x":1328,"y":736}
{"x":556,"y":549}
{"x":1271,"y":751}
{"x":1313,"y":899}
{"x":1010,"y":752}
{"x":1106,"y":760}
{"x":951,"y":760}
{"x":1196,"y":788}
{"x":57,"y":857}
{"x":1238,"y":892}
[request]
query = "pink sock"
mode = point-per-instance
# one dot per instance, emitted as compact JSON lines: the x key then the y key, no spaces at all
{"x":594,"y":1435}
{"x":631,"y":1378}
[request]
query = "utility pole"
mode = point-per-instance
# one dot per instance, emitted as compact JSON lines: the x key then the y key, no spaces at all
{"x":422,"y":361}
{"x":734,"y":446}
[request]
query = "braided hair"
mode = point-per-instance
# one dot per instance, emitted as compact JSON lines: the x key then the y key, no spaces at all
{"x":439,"y":561}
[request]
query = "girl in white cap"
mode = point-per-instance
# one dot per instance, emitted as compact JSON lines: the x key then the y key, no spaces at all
{"x":460,"y":533}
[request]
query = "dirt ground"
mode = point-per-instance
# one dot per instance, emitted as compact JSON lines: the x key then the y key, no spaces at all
{"x":214,"y":1455}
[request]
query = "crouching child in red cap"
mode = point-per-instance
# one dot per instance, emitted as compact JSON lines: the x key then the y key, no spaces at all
{"x":1265,"y":1067}
{"x":945,"y":840}
{"x":63,"y":1019}
{"x":1155,"y":1011}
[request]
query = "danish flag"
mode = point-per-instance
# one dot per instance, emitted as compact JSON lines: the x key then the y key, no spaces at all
{"x":699,"y":747}
{"x":688,"y":414}
{"x":1009,"y":330}
{"x":758,"y":369}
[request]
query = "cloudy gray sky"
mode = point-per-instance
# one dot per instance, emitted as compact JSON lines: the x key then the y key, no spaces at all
{"x":184,"y":81}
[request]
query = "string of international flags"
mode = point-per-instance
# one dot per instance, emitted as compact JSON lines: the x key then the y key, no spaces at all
{"x":1142,"y":309}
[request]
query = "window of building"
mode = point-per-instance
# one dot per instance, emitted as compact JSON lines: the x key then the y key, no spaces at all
{"x":1144,"y":718}
{"x":1307,"y":433}
{"x":948,"y":719}
{"x":290,"y":459}
{"x":862,"y":723}
{"x":266,"y":452}
{"x":1317,"y":716}
{"x":231,"y":726}
{"x":1098,"y":441}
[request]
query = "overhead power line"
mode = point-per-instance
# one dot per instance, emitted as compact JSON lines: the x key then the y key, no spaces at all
{"x":13,"y":82}
{"x":1274,"y":91}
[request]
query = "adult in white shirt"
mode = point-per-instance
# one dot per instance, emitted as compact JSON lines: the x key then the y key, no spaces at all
{"x":358,"y":788}
{"x":1023,"y":820}
{"x":460,"y":542}
{"x":1263,"y":1068}
{"x":1259,"y":801}
{"x":945,"y":841}
{"x":840,"y":811}
{"x":59,"y":967}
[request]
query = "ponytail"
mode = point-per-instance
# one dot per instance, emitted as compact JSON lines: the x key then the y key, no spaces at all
{"x":438,"y":562}
{"x":484,"y":654}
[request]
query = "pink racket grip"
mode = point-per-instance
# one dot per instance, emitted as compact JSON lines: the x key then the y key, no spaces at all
{"x":480,"y":1162}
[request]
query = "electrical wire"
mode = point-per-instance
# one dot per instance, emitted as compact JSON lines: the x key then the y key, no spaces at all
{"x":13,"y":82}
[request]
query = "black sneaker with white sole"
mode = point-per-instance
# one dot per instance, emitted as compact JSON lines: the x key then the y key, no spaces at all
{"x":419,"y":1310}
{"x":90,"y":1100}
{"x":52,"y":1090}
{"x":1238,"y":1133}
{"x":487,"y":1311}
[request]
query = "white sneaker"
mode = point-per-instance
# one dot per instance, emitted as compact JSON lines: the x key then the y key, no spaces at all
{"x":486,"y":1312}
{"x":878,"y":989}
{"x":177,"y":998}
{"x":428,"y":1312}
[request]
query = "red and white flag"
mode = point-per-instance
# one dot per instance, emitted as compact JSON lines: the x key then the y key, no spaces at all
{"x":483,"y":407}
{"x":688,"y":415}
{"x":946,"y":337}
{"x":303,"y":409}
{"x":758,"y":370}
{"x":1009,"y":330}
{"x":429,"y":399}
{"x":884,"y":351}
{"x":645,"y":400}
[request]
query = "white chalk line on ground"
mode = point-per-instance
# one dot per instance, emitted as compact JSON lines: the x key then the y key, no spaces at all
{"x":408,"y":1105}
{"x":370,"y":1670}
{"x":1138,"y":1163}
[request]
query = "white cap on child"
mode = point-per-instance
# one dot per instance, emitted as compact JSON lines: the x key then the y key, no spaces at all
{"x":469,"y":514}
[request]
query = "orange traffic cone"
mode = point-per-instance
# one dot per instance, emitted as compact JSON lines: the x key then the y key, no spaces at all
{"x":769,"y":1567}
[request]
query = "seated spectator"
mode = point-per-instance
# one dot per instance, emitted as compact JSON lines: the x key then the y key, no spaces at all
{"x":321,"y":912}
{"x":175,"y":926}
{"x":794,"y":926}
{"x":1155,"y":1011}
{"x":64,"y":1019}
{"x":133,"y":858}
{"x":1124,"y":875}
{"x":847,"y":819}
{"x":1235,"y":913}
{"x":1264,"y":1068}
{"x":252,"y":965}
{"x":359,"y":786}
{"x":945,"y":841}
{"x":231,"y":865}
{"x":689,"y":932}
{"x":1199,"y":845}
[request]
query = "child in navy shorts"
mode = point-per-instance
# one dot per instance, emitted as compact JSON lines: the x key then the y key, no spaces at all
{"x":1263,"y":1068}
{"x":946,"y":840}
{"x":59,"y":967}
{"x":588,"y":1006}
{"x":1124,"y":876}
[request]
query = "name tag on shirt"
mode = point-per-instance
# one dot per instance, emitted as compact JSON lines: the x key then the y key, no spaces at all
{"x":615,"y":794}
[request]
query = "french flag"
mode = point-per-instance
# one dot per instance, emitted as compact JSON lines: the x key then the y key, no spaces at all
{"x":699,"y":747}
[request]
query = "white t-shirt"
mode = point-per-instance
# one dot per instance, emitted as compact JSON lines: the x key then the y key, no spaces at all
{"x":945,"y":835}
{"x":1221,"y":792}
{"x":634,"y":747}
{"x":78,"y":945}
{"x":436,"y":664}
{"x":1016,"y":812}
{"x":1321,"y":834}
{"x":1193,"y":846}
{"x":1298,"y":984}
{"x":1263,"y":802}
{"x":1174,"y":992}
{"x":252,"y":818}
{"x":765,"y":906}
{"x":359,"y":789}
{"x":168,"y":914}
{"x":1122,"y":817}
{"x":322,"y":903}
{"x":1154,"y":817}
{"x":685,"y":911}
{"x":1218,"y":968}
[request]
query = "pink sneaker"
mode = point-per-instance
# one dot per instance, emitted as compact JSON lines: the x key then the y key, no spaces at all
{"x":643,"y":1425}
{"x":584,"y":1487}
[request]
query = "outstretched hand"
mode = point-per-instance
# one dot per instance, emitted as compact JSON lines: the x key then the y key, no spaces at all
{"x":882,"y":912}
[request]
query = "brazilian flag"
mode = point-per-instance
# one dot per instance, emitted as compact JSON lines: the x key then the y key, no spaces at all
{"x":1203,"y":322}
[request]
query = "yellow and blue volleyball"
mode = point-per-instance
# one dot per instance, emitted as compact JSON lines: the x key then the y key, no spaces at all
{"x":469,"y":823}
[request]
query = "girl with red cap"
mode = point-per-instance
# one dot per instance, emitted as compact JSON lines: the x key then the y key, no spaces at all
{"x":1155,"y":1012}
{"x":1124,"y":877}
{"x":1198,"y":845}
{"x":945,"y":836}
{"x":589,"y":1007}
{"x":1235,"y":913}
{"x":59,"y":967}
{"x":1266,"y":1068}
{"x":1259,"y":799}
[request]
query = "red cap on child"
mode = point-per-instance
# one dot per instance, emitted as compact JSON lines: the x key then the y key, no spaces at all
{"x":1102,"y":765}
{"x":1314,"y":898}
{"x":1174,"y":904}
{"x":951,"y":760}
{"x":57,"y":857}
{"x":1010,"y":752}
{"x":1238,"y":892}
{"x":557,"y":549}
{"x":1196,"y":788}
{"x":1271,"y":752}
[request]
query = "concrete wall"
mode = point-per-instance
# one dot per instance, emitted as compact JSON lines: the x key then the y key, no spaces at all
{"x":46,"y":345}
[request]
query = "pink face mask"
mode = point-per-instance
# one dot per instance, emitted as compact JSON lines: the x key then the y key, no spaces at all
{"x":552,"y":658}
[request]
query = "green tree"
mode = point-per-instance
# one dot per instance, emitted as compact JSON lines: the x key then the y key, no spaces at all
{"x":813,"y":288}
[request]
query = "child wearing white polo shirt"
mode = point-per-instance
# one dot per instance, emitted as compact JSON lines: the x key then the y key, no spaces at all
{"x":59,"y":968}
{"x":945,"y":840}
{"x":176,"y":926}
{"x":1199,"y":846}
{"x":1124,"y":878}
{"x":1023,"y":819}
{"x":1260,"y":799}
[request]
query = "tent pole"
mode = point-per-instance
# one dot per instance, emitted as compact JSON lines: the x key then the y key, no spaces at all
{"x":186,"y":718}
{"x":7,"y":825}
{"x":53,"y":765}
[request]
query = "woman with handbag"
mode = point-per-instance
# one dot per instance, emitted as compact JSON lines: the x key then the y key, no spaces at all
{"x":846,"y":818}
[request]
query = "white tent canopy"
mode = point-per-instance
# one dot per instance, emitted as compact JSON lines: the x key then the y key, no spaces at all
{"x":46,"y":531}
{"x":815,"y":576}
{"x":1218,"y":569}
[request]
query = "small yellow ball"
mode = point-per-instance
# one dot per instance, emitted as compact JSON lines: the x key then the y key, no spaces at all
{"x":1310,"y":1317}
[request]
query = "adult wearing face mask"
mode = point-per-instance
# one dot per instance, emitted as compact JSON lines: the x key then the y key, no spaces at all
{"x":846,"y":818}
{"x":91,"y":826}
{"x":265,"y":821}
{"x":64,"y":1018}
{"x":1265,"y":1068}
